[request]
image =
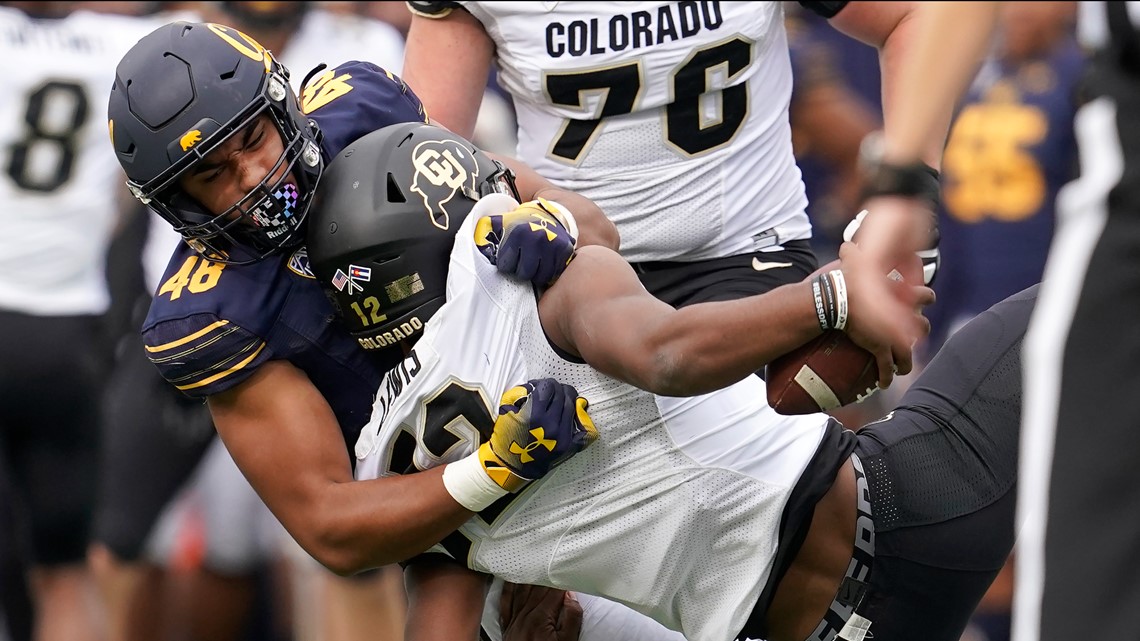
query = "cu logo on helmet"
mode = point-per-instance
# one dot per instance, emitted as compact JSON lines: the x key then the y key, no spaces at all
{"x":443,"y":168}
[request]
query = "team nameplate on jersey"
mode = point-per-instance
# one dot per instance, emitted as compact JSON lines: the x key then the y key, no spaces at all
{"x":420,"y":360}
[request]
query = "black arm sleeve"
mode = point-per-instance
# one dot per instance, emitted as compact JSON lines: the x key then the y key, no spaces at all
{"x":825,"y":9}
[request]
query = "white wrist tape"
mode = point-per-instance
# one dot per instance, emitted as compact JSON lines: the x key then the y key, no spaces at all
{"x":565,"y":217}
{"x":469,"y":485}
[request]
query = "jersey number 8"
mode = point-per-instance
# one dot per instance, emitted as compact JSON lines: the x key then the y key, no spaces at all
{"x":55,"y":113}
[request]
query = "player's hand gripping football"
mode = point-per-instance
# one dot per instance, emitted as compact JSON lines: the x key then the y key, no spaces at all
{"x":928,"y":253}
{"x":541,"y":423}
{"x":885,"y":316}
{"x":533,"y":242}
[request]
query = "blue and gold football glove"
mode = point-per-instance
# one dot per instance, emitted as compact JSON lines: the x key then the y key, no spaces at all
{"x":540,"y":424}
{"x":533,"y":242}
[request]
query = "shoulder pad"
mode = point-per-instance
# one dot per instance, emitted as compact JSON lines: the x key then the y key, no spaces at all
{"x":202,"y":354}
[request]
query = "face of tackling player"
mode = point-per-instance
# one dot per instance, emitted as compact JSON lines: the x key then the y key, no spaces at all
{"x":229,"y":174}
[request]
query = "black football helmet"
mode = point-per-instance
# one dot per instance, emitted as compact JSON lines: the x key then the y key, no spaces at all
{"x":384,"y":223}
{"x":181,"y":91}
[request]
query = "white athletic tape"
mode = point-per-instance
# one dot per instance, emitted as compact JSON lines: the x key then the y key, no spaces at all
{"x":467,"y":482}
{"x":855,"y":629}
{"x":818,"y":390}
{"x":566,"y":218}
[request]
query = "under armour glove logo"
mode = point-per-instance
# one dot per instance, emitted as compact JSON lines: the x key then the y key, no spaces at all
{"x":540,"y":425}
{"x":530,"y":243}
{"x":539,"y":441}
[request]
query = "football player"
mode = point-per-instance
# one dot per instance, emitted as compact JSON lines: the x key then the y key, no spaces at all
{"x":212,"y":137}
{"x":698,"y":506}
{"x":57,"y":218}
{"x":673,"y":117}
{"x":154,"y":431}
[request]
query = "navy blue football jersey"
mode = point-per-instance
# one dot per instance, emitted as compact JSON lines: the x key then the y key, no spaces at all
{"x":1011,"y":149}
{"x":210,"y":326}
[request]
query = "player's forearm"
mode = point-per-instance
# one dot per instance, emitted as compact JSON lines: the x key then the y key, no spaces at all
{"x":360,"y":525}
{"x":600,"y":311}
{"x":927,"y":62}
{"x":285,"y":438}
{"x":709,"y":346}
{"x":446,"y":63}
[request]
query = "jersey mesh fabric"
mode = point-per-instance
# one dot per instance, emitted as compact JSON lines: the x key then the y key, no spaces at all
{"x":634,"y":518}
{"x":687,"y":537}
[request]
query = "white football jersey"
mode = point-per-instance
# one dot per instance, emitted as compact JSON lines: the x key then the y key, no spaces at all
{"x":673,"y":512}
{"x":673,"y":117}
{"x":59,"y":178}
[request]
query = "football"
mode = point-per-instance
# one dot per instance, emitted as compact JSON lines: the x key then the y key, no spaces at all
{"x":829,"y":372}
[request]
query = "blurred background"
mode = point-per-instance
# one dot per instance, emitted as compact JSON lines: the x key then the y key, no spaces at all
{"x":214,"y":564}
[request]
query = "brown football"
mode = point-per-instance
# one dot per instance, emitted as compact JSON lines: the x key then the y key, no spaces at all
{"x":829,"y":372}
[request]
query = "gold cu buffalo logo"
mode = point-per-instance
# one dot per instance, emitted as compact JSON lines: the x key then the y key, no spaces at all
{"x":540,"y":440}
{"x":448,"y":166}
{"x":189,"y":139}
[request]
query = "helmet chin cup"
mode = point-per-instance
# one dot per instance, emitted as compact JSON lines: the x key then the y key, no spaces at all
{"x":276,"y":213}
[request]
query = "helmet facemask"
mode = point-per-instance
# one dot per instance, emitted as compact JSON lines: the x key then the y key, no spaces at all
{"x":269,"y":219}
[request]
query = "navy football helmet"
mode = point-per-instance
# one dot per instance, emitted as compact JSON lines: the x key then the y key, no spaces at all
{"x":180,"y":92}
{"x":384,"y":223}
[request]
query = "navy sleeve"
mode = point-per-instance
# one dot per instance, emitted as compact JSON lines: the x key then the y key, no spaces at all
{"x":825,"y":9}
{"x":203,"y":354}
